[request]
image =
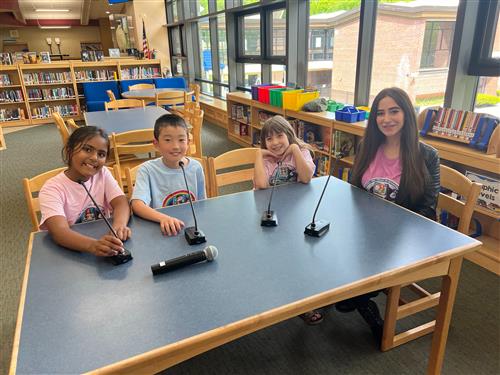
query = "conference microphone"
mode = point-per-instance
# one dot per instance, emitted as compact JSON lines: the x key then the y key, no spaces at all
{"x":208,"y":254}
{"x":320,"y":227}
{"x":269,"y":218}
{"x":193,"y":235}
{"x":122,"y":257}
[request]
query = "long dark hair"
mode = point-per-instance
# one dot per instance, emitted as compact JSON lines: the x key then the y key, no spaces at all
{"x":78,"y":138}
{"x":414,"y":173}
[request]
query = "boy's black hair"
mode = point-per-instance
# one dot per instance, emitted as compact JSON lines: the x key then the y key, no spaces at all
{"x":169,"y":120}
{"x":78,"y":138}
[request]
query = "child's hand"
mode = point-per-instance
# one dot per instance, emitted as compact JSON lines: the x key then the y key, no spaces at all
{"x":170,"y":226}
{"x":268,"y":154}
{"x":290,"y":150}
{"x":123,"y":232}
{"x":106,"y":246}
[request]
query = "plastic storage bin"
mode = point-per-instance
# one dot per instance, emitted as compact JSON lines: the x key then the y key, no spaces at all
{"x":366,"y":109}
{"x":334,"y":106}
{"x":350,"y":114}
{"x":255,"y":92}
{"x":263,"y":93}
{"x":276,"y":96}
{"x":294,"y":100}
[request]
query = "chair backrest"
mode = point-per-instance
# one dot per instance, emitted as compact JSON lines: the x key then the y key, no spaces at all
{"x":141,"y":86}
{"x":468,"y":190}
{"x":126,"y":83}
{"x":124,"y":103}
{"x":194,"y":90}
{"x":71,"y":124}
{"x":236,"y":158}
{"x":131,"y":175}
{"x":132,"y":143}
{"x":193,"y":115}
{"x":171,"y":98}
{"x":32,"y":187}
{"x":111,"y":95}
{"x":61,"y":126}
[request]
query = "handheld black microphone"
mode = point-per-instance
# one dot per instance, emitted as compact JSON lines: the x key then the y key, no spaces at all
{"x":121,"y":258}
{"x":192,"y":234}
{"x":269,"y":218}
{"x":208,"y":254}
{"x":320,"y":227}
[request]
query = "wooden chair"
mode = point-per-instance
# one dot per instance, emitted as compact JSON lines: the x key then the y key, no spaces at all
{"x":71,"y":125}
{"x":236,"y":158}
{"x":61,"y":126}
{"x":129,"y":146}
{"x":124,"y":103}
{"x":174,"y":99}
{"x":398,"y":308}
{"x":131,"y":174}
{"x":3,"y":146}
{"x":141,"y":86}
{"x":111,"y":95}
{"x":194,"y":90}
{"x":193,"y":115}
{"x":32,"y":187}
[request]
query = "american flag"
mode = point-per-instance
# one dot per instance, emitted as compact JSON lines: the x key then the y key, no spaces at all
{"x":145,"y":44}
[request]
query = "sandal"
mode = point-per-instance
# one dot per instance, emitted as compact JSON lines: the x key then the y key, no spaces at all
{"x":312,"y":317}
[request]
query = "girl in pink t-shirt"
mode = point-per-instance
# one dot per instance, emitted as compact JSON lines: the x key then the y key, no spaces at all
{"x":282,"y":157}
{"x":64,"y":202}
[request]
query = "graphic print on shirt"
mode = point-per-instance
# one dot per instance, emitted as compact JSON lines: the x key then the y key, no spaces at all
{"x":177,"y":197}
{"x":383,"y":187}
{"x":282,"y":174}
{"x":89,"y":214}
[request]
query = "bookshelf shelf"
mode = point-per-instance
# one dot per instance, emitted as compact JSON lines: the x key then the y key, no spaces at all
{"x":11,"y":103}
{"x":10,"y":87}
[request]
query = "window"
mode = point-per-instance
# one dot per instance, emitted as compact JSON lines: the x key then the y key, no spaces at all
{"x":278,"y":31}
{"x":333,"y":41}
{"x":205,"y":50}
{"x":252,"y":74}
{"x":222,"y":40}
{"x":438,"y":39}
{"x":251,"y":35}
{"x":412,"y":51}
{"x":278,"y":73}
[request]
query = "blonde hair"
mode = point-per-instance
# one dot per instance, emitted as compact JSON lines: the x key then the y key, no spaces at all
{"x":277,"y":125}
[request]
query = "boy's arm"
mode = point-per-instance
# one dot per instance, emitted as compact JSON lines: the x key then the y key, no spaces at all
{"x":200,"y":184}
{"x":260,"y":178}
{"x":121,"y":214}
{"x":169,"y":225}
{"x":63,"y":235}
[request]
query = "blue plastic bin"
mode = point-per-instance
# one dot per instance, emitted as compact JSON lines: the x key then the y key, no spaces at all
{"x":350,"y":114}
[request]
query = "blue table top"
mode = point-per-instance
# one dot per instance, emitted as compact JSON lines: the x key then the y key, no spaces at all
{"x":82,"y":313}
{"x":147,"y":93}
{"x":124,"y":120}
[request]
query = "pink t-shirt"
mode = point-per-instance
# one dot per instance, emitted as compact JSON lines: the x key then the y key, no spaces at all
{"x":61,"y":196}
{"x":383,"y":176}
{"x":288,"y":170}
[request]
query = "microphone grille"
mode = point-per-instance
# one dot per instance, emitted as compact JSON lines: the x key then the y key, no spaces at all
{"x":211,"y":252}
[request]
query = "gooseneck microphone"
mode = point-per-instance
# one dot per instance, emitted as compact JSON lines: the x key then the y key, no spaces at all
{"x":122,"y":257}
{"x":320,"y":227}
{"x":193,"y":235}
{"x":269,"y":218}
{"x":208,"y":254}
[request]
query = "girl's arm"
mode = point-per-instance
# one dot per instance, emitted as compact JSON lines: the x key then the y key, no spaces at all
{"x":304,"y":172}
{"x":121,"y":214}
{"x":260,"y":177}
{"x":59,"y":229}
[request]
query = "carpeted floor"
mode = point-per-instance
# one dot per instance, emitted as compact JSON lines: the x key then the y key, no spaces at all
{"x":341,"y":344}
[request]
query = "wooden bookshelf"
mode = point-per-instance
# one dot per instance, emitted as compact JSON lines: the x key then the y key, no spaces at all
{"x":40,"y":95}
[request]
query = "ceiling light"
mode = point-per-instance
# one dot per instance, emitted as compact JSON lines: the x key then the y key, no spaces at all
{"x":52,"y":10}
{"x":54,"y":27}
{"x":108,"y":12}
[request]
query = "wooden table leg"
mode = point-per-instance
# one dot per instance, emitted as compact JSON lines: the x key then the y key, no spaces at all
{"x":445,"y":308}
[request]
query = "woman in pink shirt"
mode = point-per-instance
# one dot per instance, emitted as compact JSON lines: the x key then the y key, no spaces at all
{"x":393,"y":164}
{"x":64,"y":202}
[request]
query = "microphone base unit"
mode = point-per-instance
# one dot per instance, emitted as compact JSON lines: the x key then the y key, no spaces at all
{"x":193,"y":236}
{"x":319,"y":228}
{"x":269,"y":219}
{"x":121,"y":258}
